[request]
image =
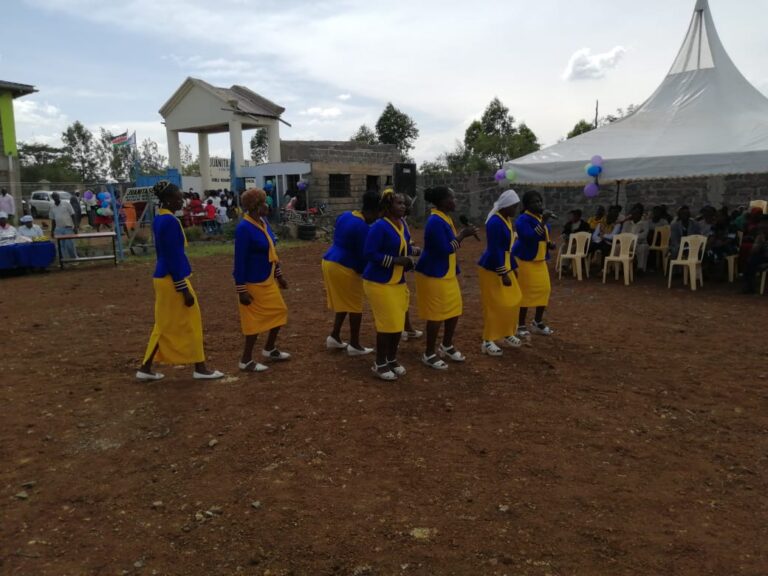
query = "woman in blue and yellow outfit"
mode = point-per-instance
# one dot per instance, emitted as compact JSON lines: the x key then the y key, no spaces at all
{"x":258,"y":279}
{"x":343,"y":266}
{"x":387,"y":252}
{"x":531,"y":250}
{"x":499,"y":291}
{"x":437,"y":287}
{"x":177,"y":337}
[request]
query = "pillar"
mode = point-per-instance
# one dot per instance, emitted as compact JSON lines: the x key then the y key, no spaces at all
{"x":236,"y":141}
{"x":273,"y":137}
{"x":204,"y":160}
{"x":174,"y":149}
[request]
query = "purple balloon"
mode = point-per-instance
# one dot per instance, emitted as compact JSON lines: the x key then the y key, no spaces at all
{"x":597,"y":161}
{"x":591,"y":190}
{"x":501,"y":174}
{"x":302,"y":185}
{"x":88,"y":195}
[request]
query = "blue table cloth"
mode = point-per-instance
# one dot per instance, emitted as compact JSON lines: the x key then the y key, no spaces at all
{"x":27,"y":255}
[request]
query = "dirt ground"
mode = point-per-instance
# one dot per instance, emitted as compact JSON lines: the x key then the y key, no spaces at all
{"x":633,"y":442}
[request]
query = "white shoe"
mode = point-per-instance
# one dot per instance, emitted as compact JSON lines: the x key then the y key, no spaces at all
{"x":522,"y":333}
{"x":388,"y":375}
{"x":215,"y":375}
{"x":149,"y":377}
{"x":541,"y":329}
{"x":332,"y":344}
{"x":352,"y":351}
{"x":433,"y":362}
{"x":489,"y":347}
{"x":275,"y":354}
{"x":252,"y":366}
{"x":452,"y":353}
{"x":512,"y":342}
{"x":411,"y":335}
{"x":397,"y":368}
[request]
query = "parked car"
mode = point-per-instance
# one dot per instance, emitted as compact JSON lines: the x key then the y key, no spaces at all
{"x":40,"y":202}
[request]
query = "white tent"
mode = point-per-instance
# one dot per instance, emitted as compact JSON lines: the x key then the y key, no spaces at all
{"x":705,"y":119}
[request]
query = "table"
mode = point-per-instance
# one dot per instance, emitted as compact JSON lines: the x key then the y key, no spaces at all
{"x":87,"y":236}
{"x":27,"y":255}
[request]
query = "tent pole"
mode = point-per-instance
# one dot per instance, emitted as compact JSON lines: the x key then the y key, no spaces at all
{"x":618,"y":187}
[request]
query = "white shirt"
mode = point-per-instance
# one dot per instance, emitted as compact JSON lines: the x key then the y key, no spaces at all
{"x":7,"y":235}
{"x":7,"y":204}
{"x":34,"y":232}
{"x":640,"y":228}
{"x":62,"y":214}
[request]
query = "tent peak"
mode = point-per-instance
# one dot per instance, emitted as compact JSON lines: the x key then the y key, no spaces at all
{"x":701,"y":5}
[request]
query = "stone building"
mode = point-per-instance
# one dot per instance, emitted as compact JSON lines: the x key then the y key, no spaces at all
{"x":342,"y":171}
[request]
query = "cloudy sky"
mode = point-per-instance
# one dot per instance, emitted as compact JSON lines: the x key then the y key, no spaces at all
{"x":334,"y":64}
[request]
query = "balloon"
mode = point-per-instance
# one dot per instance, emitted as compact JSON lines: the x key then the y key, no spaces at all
{"x":594,"y":171}
{"x":268,"y":185}
{"x":301,"y":185}
{"x":99,"y":211}
{"x":597,"y":160}
{"x":100,"y":195}
{"x":511,"y":175}
{"x":107,"y":196}
{"x":105,"y":204}
{"x":88,"y":195}
{"x":591,"y":190}
{"x":500,"y":175}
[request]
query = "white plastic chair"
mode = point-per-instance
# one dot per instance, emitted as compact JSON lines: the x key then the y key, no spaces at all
{"x":577,"y":251}
{"x":623,"y":251}
{"x":690,"y":256}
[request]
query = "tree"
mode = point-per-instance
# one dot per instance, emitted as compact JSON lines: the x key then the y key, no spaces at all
{"x":397,"y":128}
{"x":260,"y":146}
{"x":152,"y":162}
{"x":582,"y":127}
{"x":114,"y":161}
{"x":82,"y":151}
{"x":620,"y":113}
{"x":496,"y":139}
{"x":44,"y":162}
{"x":364,"y":135}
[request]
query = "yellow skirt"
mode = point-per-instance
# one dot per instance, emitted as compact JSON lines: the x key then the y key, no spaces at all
{"x":343,"y":288}
{"x":178,"y":330}
{"x":438,"y":299}
{"x":267,"y":310}
{"x":389,"y":303}
{"x":501,"y":305}
{"x":534,"y":283}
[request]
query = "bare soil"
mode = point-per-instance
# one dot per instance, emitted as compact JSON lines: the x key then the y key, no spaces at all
{"x":633,"y":442}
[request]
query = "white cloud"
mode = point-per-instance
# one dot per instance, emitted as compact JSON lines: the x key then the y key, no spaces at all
{"x":344,"y":96}
{"x":38,"y":121}
{"x":584,"y":65}
{"x":318,"y":112}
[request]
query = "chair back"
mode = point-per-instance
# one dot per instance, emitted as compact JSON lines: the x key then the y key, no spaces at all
{"x":695,"y":246}
{"x":762,"y":204}
{"x":661,"y":237}
{"x":578,"y":244}
{"x":624,"y":246}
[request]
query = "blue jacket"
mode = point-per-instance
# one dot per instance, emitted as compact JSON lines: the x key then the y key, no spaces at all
{"x":349,"y":242}
{"x":381,"y":246}
{"x":498,"y":240}
{"x":530,"y":235}
{"x":252,"y":264}
{"x":439,"y":243}
{"x":169,"y":246}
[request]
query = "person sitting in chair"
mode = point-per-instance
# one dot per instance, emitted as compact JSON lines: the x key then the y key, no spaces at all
{"x":682,"y":227}
{"x":758,"y":257}
{"x":635,"y":224}
{"x":602,"y":237}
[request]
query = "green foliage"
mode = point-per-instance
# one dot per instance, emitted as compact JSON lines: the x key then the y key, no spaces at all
{"x":114,"y":161}
{"x":190,"y":166}
{"x":397,"y":128}
{"x":260,"y":146}
{"x":364,"y":135}
{"x":82,"y":151}
{"x":496,"y":139}
{"x":44,"y":162}
{"x":582,"y":127}
{"x":152,"y":162}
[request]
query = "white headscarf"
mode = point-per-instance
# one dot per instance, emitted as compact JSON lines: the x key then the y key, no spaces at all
{"x":507,"y":198}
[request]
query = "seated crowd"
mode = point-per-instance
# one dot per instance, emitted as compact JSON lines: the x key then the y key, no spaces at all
{"x":740,"y":232}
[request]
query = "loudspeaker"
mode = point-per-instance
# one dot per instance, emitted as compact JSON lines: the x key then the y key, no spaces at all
{"x":405,"y":179}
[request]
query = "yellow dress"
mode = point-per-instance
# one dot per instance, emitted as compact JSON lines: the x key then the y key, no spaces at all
{"x":389,"y":301}
{"x":439,"y":299}
{"x":533,"y":277}
{"x":267,"y":309}
{"x":343,"y":288}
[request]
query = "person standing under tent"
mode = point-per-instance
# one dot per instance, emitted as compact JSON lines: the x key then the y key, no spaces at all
{"x":500,"y":293}
{"x":63,"y":224}
{"x":387,"y":254}
{"x":343,"y":265}
{"x":258,"y":280}
{"x":438,"y":294}
{"x":531,"y":251}
{"x":177,"y":336}
{"x":8,"y":205}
